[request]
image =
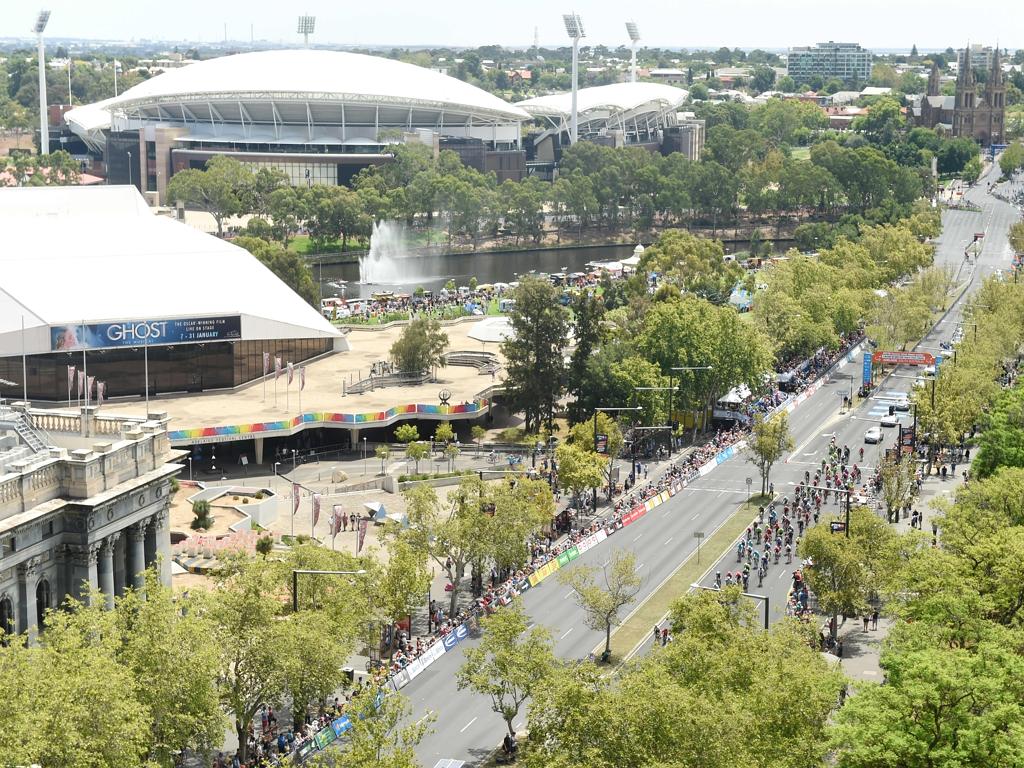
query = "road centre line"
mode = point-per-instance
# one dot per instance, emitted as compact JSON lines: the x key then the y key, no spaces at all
{"x":467,"y":725}
{"x":565,"y":635}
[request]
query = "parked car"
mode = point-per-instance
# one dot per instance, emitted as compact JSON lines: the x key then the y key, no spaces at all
{"x":890,"y":420}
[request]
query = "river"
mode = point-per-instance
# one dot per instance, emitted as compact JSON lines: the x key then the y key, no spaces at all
{"x":432,"y":272}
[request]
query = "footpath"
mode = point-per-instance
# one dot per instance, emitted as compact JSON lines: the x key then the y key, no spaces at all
{"x":861,"y":649}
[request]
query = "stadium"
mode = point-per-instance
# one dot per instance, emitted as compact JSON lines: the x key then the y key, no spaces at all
{"x":95,"y":281}
{"x":619,"y":114}
{"x":320,"y":116}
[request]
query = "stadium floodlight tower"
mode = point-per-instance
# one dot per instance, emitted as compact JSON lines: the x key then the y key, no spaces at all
{"x":574,"y":26}
{"x":44,"y":128}
{"x":634,"y":38}
{"x":306,"y":26}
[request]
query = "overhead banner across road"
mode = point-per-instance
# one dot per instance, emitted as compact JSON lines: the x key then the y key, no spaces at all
{"x":895,"y":357}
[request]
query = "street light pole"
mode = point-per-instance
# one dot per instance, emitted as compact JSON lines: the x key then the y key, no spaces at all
{"x":607,"y":409}
{"x":670,"y":371}
{"x":364,"y":457}
{"x":765,"y":598}
{"x":670,"y":389}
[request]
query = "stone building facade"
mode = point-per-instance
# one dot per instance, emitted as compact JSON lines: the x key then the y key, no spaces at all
{"x":77,"y":519}
{"x":977,"y":115}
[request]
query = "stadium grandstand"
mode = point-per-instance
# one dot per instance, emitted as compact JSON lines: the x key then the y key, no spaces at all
{"x":319,"y":116}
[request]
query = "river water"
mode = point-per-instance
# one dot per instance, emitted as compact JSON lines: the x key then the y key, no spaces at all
{"x":432,"y":272}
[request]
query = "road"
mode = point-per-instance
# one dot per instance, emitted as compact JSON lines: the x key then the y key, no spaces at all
{"x":467,"y":729}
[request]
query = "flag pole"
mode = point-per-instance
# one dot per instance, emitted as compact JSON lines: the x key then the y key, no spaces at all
{"x":263,"y":359}
{"x":24,"y":364}
{"x":145,"y":354}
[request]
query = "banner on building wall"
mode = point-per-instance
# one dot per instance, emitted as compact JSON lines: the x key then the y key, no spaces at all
{"x":134,"y":333}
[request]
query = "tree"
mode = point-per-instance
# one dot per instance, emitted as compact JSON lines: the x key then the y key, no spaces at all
{"x":579,"y":468}
{"x":421,"y":346}
{"x":1002,"y":442}
{"x":444,"y":433}
{"x":382,"y":452}
{"x":938,"y":706}
{"x":202,"y":519}
{"x":695,"y":264}
{"x":477,"y":433}
{"x":847,"y":570}
{"x":602,"y":602}
{"x":668,"y":706}
{"x":533,"y":353}
{"x":587,"y":312}
{"x":898,"y":484}
{"x":166,"y":647}
{"x":381,"y":736}
{"x":510,"y":662}
{"x":219,"y":190}
{"x":407,"y":433}
{"x":763,"y":79}
{"x":290,"y":267}
{"x":417,"y":451}
{"x":769,"y":440}
{"x":73,"y":703}
{"x":264,"y":650}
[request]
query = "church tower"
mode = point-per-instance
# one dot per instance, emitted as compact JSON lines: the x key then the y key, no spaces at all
{"x":933,"y":80}
{"x":963,"y":110}
{"x":995,"y":95}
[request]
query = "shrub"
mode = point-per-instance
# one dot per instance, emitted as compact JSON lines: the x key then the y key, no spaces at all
{"x":202,"y":519}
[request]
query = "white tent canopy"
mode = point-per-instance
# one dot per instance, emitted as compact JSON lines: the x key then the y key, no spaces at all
{"x":76,"y":256}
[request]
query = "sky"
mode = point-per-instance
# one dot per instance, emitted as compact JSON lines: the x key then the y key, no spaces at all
{"x":881,"y":24}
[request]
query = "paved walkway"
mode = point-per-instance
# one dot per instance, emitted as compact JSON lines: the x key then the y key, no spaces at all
{"x":862,"y":649}
{"x":249,"y":404}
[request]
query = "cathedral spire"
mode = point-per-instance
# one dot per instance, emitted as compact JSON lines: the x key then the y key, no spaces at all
{"x":933,"y":80}
{"x":995,"y":76}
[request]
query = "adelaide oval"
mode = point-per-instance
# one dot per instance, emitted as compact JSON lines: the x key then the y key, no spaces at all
{"x":319,"y":116}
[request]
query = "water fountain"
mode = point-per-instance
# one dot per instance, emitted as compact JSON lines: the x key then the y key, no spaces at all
{"x":387,"y":262}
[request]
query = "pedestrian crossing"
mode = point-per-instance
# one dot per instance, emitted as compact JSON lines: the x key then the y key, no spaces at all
{"x":880,"y":404}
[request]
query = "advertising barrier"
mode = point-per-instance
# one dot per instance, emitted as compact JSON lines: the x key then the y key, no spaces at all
{"x":140,"y":333}
{"x":324,"y":736}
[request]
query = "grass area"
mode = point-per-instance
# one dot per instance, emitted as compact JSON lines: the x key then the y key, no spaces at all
{"x":800,"y":153}
{"x":638,"y":625}
{"x":302,"y":244}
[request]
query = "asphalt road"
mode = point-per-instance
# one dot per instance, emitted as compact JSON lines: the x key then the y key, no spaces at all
{"x":467,"y":729}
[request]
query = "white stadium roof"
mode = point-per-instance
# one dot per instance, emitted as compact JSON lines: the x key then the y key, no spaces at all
{"x":98,"y":254}
{"x":283,"y":87}
{"x":615,"y":98}
{"x":636,"y":109}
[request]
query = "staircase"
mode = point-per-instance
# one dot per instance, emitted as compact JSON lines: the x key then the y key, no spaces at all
{"x":17,"y":422}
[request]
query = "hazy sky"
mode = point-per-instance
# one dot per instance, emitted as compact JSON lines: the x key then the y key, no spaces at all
{"x":675,"y":23}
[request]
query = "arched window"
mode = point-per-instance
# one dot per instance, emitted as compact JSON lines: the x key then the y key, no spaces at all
{"x":42,"y":602}
{"x":6,"y":620}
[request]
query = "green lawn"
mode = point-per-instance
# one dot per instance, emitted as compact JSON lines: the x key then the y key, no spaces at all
{"x":800,"y":153}
{"x":302,"y":244}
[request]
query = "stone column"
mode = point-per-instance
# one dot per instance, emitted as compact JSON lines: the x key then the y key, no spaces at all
{"x":135,"y":549}
{"x":120,"y":564}
{"x":82,"y":570}
{"x":28,"y":573}
{"x":150,"y":542}
{"x":257,"y":443}
{"x":162,"y":536}
{"x":106,"y":569}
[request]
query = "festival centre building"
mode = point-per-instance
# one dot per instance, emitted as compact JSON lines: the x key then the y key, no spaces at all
{"x":319,"y":116}
{"x":95,"y":283}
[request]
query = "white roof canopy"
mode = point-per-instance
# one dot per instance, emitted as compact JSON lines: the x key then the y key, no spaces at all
{"x":77,"y":255}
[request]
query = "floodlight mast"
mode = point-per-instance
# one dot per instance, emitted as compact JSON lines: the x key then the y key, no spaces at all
{"x":307,"y":25}
{"x":574,"y":28}
{"x":634,"y":38}
{"x":44,"y":128}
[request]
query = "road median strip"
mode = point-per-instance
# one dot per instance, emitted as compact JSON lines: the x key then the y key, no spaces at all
{"x":652,"y":609}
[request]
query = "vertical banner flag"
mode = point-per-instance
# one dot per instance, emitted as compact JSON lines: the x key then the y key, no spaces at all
{"x":361,"y":536}
{"x":277,"y":368}
{"x":302,"y":378}
{"x":101,"y":390}
{"x":71,"y":379}
{"x":81,"y":383}
{"x":335,"y":520}
{"x":90,"y":383}
{"x":291,"y":373}
{"x":866,"y":372}
{"x":266,"y":363}
{"x":295,"y":498}
{"x":316,"y":509}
